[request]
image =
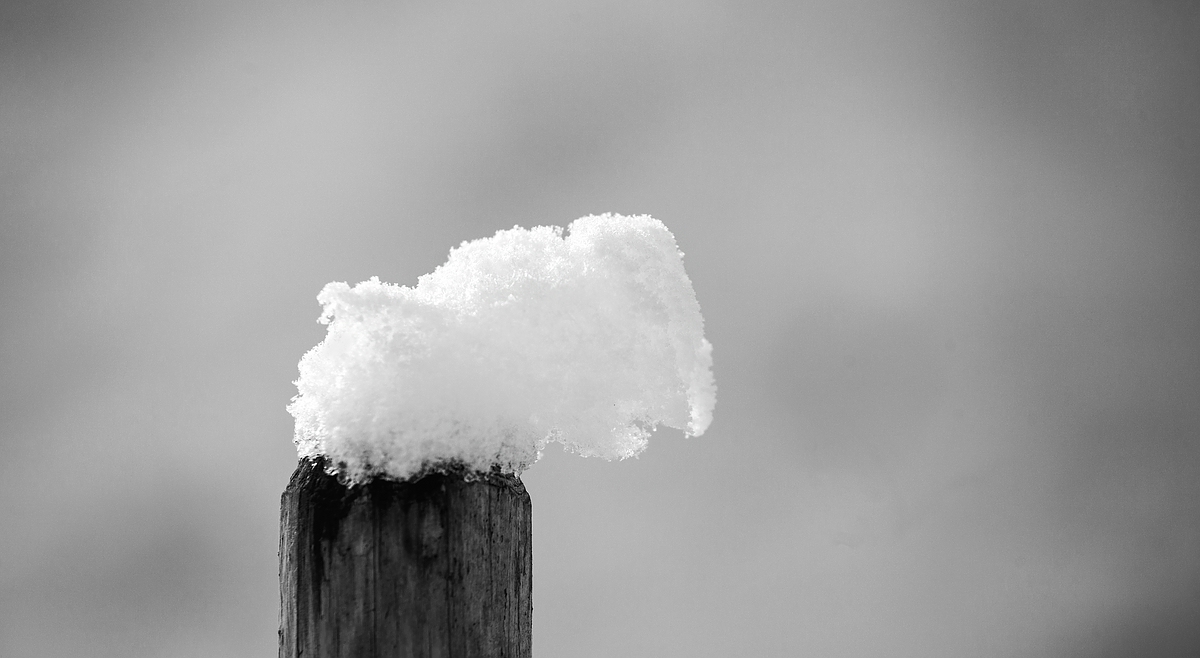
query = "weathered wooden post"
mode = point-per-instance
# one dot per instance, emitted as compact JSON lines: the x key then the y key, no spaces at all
{"x":405,"y":530}
{"x":433,"y":566}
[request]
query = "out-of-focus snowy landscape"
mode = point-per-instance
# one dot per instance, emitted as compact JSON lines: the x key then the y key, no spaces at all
{"x":948,"y":256}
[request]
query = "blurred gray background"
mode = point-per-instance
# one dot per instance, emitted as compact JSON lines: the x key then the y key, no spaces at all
{"x":948,"y":255}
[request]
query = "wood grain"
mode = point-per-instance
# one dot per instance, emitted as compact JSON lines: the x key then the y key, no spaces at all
{"x":432,"y":567}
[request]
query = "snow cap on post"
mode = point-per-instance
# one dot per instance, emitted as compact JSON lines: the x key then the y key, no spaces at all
{"x":589,"y":338}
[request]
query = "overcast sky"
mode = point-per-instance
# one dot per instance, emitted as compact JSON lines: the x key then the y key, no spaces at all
{"x":948,"y":255}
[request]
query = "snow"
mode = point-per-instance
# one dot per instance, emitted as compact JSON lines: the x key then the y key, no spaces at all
{"x":590,"y":338}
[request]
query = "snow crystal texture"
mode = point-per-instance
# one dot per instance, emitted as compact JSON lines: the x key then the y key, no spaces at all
{"x":590,"y":338}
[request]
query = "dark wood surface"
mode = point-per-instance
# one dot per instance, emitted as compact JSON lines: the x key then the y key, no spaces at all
{"x":436,"y":566}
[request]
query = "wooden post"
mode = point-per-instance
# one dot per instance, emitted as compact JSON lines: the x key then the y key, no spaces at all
{"x":435,"y":566}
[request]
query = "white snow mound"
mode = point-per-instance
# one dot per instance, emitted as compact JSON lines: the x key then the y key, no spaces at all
{"x":518,"y":340}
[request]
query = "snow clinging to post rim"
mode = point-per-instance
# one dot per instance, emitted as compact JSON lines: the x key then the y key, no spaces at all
{"x":589,"y":338}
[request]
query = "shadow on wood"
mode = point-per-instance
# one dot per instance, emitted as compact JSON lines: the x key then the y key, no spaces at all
{"x":436,"y":566}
